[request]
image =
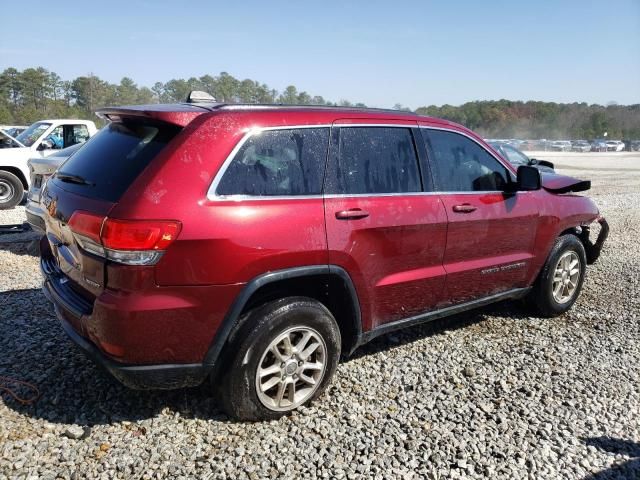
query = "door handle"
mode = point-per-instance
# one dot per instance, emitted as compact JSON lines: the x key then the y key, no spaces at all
{"x":464,"y":208}
{"x":352,"y":214}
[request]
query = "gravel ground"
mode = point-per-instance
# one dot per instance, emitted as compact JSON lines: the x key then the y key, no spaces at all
{"x":490,"y":394}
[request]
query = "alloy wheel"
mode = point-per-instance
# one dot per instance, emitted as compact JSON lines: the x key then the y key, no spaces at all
{"x":291,"y":369}
{"x":566,"y":277}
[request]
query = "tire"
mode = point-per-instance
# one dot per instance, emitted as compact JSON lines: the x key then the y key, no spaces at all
{"x":11,"y":190}
{"x":296,"y":318}
{"x":567,"y":248}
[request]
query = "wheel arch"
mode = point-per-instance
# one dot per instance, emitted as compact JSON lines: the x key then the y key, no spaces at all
{"x":18,"y":173}
{"x":330,"y":285}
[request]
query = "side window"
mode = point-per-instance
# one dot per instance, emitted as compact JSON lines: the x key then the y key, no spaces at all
{"x":75,"y":134}
{"x":56,"y":138}
{"x":461,"y":165}
{"x":278,"y":163}
{"x":376,"y":160}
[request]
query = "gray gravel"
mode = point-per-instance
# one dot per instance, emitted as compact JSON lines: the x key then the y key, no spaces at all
{"x":491,"y":394}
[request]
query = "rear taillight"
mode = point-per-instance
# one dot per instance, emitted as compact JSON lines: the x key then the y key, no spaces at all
{"x":132,"y":242}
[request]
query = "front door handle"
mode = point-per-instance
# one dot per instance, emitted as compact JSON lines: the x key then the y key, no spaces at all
{"x":464,"y":208}
{"x":352,"y":214}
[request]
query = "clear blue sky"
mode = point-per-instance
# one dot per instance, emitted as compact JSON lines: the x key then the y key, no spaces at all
{"x":377,"y":52}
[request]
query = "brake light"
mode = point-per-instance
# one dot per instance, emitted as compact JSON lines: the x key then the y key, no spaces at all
{"x":133,"y":242}
{"x":86,"y":224}
{"x":139,"y":235}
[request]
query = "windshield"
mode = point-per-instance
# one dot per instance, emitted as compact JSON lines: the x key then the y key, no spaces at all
{"x":33,"y":133}
{"x":515,"y":156}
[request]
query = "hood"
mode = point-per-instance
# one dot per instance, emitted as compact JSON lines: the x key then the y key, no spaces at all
{"x":555,"y":183}
{"x":17,"y":154}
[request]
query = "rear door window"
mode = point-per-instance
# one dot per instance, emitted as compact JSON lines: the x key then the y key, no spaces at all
{"x":286,"y":162}
{"x":375,"y":160}
{"x":111,"y":160}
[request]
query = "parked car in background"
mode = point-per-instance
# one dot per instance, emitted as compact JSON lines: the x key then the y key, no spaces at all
{"x":42,"y":138}
{"x":517,"y":158}
{"x":580,"y":146}
{"x":40,"y":169}
{"x":634,"y":145}
{"x":560,"y":146}
{"x":599,"y":145}
{"x":614,"y":146}
{"x":169,"y":271}
{"x":12,"y":130}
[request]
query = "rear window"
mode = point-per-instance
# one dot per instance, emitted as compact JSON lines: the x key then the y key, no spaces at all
{"x":110,"y":161}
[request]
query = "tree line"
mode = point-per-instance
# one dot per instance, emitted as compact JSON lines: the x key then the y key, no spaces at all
{"x":36,"y":93}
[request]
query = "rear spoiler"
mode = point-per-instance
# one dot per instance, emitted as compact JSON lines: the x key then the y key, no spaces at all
{"x":558,"y":184}
{"x":180,"y":114}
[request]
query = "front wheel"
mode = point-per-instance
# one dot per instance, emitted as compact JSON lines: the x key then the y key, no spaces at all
{"x":560,"y":281}
{"x":11,"y":190}
{"x":283,"y":357}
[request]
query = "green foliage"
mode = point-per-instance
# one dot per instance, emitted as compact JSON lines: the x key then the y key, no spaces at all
{"x":36,"y":93}
{"x":509,"y":119}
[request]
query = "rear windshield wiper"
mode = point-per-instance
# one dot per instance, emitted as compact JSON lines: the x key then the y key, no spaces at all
{"x":70,"y":178}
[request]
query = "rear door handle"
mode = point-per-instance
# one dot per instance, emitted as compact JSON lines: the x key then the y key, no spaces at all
{"x":351,"y":214}
{"x":464,"y":208}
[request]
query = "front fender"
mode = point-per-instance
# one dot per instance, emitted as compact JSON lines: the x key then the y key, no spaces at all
{"x":559,"y":214}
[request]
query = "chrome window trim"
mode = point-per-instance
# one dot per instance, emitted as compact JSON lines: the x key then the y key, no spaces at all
{"x":499,"y":160}
{"x":414,"y":194}
{"x":211,"y":193}
{"x":212,"y":196}
{"x":397,"y":125}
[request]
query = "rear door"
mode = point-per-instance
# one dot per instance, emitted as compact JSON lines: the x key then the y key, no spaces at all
{"x":383,"y":224}
{"x":490,"y":235}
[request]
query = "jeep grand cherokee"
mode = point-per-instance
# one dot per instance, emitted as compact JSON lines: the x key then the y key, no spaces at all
{"x":255,"y":244}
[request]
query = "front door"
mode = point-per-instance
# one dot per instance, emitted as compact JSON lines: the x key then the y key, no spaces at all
{"x":382,"y":226}
{"x":491,"y":233}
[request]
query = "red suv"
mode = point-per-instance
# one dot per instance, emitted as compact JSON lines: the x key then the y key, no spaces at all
{"x":255,"y":244}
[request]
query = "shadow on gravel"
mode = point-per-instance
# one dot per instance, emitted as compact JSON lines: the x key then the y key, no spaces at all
{"x":629,"y":469}
{"x":21,"y":247}
{"x":74,"y":390}
{"x":35,"y":349}
{"x":19,"y":239}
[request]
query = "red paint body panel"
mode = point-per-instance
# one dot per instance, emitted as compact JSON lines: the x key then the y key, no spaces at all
{"x":410,"y":255}
{"x":394,"y":256}
{"x":500,"y":234}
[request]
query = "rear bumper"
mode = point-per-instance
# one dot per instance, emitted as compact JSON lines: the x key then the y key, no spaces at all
{"x":35,"y":216}
{"x":140,"y":377}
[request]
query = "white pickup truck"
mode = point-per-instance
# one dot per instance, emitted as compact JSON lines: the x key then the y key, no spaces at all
{"x":40,"y":139}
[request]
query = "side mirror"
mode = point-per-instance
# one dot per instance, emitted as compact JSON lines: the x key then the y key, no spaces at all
{"x":45,"y":145}
{"x":528,"y":178}
{"x":544,"y":163}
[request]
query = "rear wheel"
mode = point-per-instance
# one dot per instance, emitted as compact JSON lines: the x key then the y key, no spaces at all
{"x":282,"y":357}
{"x":11,"y":190}
{"x":560,"y":281}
